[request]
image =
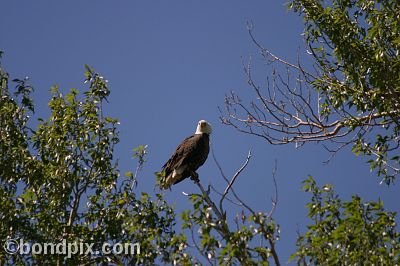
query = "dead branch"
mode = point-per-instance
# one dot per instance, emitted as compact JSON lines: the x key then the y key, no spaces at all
{"x":288,"y":109}
{"x":234,"y":178}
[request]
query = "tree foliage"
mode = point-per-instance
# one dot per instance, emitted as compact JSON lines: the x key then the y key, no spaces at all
{"x":347,"y":233}
{"x":60,"y":181}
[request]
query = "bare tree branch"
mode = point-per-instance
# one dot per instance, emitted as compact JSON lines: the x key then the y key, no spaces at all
{"x":234,"y":178}
{"x":299,"y":107}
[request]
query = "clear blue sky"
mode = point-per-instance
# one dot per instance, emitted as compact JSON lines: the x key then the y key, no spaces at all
{"x":169,"y":64}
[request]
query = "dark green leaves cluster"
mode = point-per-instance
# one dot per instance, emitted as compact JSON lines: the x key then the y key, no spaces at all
{"x":357,"y":45}
{"x":347,"y":233}
{"x":60,"y":181}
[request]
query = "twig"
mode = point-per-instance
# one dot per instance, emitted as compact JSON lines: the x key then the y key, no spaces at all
{"x":219,"y":166}
{"x":234,"y":178}
{"x":273,"y":251}
{"x":275,"y":198}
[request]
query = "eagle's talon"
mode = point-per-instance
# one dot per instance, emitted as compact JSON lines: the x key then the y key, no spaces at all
{"x":195,"y":177}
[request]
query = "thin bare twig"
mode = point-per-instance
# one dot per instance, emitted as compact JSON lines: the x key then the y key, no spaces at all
{"x":274,"y":200}
{"x":234,"y":179}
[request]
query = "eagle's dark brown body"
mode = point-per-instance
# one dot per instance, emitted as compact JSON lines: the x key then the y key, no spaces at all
{"x":188,"y":157}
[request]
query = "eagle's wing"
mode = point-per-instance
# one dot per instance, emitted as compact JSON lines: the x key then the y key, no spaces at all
{"x":181,"y":156}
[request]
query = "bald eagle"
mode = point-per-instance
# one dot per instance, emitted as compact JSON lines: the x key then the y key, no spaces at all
{"x":188,"y":157}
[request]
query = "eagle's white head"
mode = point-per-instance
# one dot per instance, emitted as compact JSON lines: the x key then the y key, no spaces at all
{"x":203,"y":127}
